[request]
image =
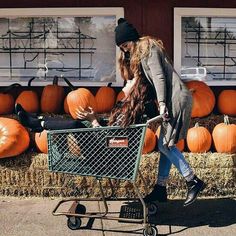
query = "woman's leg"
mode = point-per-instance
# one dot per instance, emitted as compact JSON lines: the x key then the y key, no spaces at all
{"x":194,"y":184}
{"x":39,"y":123}
{"x":56,"y":123}
{"x":159,"y":192}
{"x":176,"y":158}
{"x":163,"y":170}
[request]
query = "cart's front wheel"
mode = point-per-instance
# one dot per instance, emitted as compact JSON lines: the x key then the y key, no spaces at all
{"x":150,"y":231}
{"x":73,"y":222}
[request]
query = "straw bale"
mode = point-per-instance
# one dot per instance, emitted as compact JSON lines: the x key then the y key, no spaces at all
{"x":28,"y":175}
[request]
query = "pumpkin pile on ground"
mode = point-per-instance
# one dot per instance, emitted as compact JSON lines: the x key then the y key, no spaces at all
{"x":80,"y":97}
{"x":224,"y":137}
{"x":14,"y":138}
{"x":28,"y":99}
{"x":203,"y":98}
{"x":199,"y":139}
{"x":105,"y":98}
{"x":226,"y":102}
{"x":149,"y":141}
{"x":52,"y":97}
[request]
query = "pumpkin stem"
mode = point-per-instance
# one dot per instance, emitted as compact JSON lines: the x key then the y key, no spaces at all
{"x":109,"y":85}
{"x":71,"y":86}
{"x":55,"y":80}
{"x":10,"y":87}
{"x":192,"y":90}
{"x":196,"y":125}
{"x":226,"y":120}
{"x":29,"y":83}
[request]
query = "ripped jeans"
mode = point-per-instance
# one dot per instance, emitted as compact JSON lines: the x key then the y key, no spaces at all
{"x":169,"y":156}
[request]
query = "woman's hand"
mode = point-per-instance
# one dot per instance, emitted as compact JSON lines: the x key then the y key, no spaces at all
{"x":89,"y":115}
{"x":163,"y":111}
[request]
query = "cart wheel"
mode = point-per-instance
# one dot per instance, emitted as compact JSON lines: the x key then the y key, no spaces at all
{"x":150,"y":231}
{"x":152,"y":208}
{"x":73,"y":222}
{"x":80,"y":209}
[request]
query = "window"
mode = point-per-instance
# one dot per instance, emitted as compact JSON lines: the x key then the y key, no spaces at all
{"x":205,"y":45}
{"x":77,"y":43}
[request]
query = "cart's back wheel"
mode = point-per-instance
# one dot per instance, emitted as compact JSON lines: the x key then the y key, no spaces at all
{"x":150,"y":231}
{"x":152,"y":208}
{"x":73,"y":222}
{"x":80,"y":209}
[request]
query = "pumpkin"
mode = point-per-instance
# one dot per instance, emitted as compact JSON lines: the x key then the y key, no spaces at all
{"x":105,"y":98}
{"x":65,"y":105}
{"x":28,"y":99}
{"x":226,"y":102}
{"x":80,"y":97}
{"x":41,"y":141}
{"x":149,"y":141}
{"x":203,"y":98}
{"x":180,"y":144}
{"x":52,"y":97}
{"x":14,"y":138}
{"x":224,"y":137}
{"x":71,"y":86}
{"x":199,"y":139}
{"x":7,"y":100}
{"x":120,"y":96}
{"x":6,"y":103}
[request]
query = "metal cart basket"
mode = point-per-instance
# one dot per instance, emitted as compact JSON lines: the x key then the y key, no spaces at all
{"x":105,"y":152}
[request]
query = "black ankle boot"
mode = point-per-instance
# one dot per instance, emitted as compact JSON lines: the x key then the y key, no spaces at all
{"x":158,"y":193}
{"x":33,"y":123}
{"x":194,"y":186}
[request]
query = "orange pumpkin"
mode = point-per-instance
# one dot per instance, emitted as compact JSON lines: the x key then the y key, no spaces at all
{"x":203,"y":98}
{"x":28,"y":99}
{"x":149,"y":141}
{"x":7,"y":100}
{"x":14,"y":138}
{"x":41,"y":141}
{"x":105,"y":98}
{"x":6,"y":103}
{"x":224,"y":137}
{"x":72,"y":88}
{"x":199,"y":139}
{"x":180,"y":145}
{"x":81,"y":97}
{"x":52,"y":97}
{"x":226,"y":102}
{"x":120,"y":96}
{"x":66,"y":107}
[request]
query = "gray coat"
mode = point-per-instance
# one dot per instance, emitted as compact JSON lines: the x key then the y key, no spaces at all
{"x":171,"y":90}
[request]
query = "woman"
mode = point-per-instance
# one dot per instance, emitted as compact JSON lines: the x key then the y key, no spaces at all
{"x":137,"y":105}
{"x":145,"y":57}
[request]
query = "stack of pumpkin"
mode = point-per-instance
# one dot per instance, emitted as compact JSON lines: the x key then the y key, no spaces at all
{"x":199,"y":139}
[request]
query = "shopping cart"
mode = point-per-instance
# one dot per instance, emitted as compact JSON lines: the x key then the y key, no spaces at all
{"x":104,"y":152}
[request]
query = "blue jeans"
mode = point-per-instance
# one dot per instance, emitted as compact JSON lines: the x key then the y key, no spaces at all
{"x":169,"y":156}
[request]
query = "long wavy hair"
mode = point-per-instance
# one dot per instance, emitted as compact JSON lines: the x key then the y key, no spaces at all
{"x":133,"y":105}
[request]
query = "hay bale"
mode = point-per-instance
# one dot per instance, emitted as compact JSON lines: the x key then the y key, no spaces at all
{"x":28,"y":175}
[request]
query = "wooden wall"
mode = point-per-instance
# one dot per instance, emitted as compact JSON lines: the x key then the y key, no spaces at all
{"x":150,"y":17}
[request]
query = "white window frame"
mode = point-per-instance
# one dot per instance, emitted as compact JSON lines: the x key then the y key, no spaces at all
{"x":67,"y":12}
{"x":197,"y":12}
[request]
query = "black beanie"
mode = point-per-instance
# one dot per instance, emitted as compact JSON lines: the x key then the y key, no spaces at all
{"x":125,"y":32}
